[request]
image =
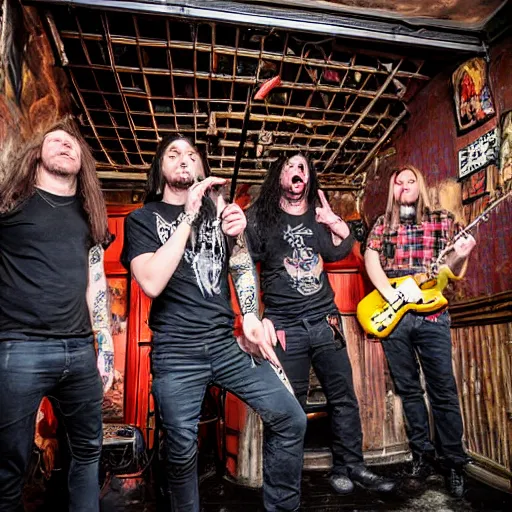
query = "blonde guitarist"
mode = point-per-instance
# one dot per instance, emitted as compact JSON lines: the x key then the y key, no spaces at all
{"x":407,"y":240}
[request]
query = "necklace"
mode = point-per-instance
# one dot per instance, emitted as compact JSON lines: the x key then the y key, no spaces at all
{"x":292,"y":207}
{"x":52,"y":203}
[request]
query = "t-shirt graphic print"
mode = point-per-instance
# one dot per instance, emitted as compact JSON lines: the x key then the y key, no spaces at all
{"x":304,"y":266}
{"x":207,"y":255}
{"x":195,"y":304}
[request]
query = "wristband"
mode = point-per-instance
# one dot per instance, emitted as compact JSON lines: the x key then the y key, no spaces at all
{"x":188,"y":218}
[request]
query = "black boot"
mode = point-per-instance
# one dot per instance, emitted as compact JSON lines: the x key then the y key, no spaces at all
{"x":362,"y":476}
{"x":422,"y":465}
{"x":341,"y":484}
{"x":454,"y":482}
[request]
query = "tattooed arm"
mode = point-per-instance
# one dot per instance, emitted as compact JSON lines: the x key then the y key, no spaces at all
{"x":260,"y":335}
{"x":243,"y":272}
{"x":99,"y":310}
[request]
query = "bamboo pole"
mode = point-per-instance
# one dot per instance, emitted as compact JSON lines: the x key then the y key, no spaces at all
{"x":496,"y":378}
{"x":203,"y":75}
{"x":503,"y":333}
{"x":481,"y":432}
{"x":488,"y":396}
{"x":465,"y":390}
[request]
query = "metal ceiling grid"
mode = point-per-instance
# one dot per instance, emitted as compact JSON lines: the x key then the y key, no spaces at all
{"x":138,"y":78}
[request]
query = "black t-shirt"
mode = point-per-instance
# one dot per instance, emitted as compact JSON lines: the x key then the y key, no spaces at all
{"x":44,"y":246}
{"x":293,"y":280}
{"x":195,"y":304}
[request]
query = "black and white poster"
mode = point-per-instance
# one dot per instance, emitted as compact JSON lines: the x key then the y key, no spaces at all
{"x":479,"y":153}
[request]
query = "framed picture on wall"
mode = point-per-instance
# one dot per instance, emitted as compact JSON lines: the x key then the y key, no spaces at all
{"x":474,"y":186}
{"x":505,"y":160}
{"x":472,"y":95}
{"x":113,"y":401}
{"x":479,"y":153}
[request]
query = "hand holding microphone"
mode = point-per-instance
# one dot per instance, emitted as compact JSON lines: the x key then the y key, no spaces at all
{"x":197,"y":191}
{"x":232,"y":216}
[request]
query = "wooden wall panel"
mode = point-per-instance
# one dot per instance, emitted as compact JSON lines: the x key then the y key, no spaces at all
{"x":384,"y":436}
{"x":482,"y":364}
{"x":429,"y":140}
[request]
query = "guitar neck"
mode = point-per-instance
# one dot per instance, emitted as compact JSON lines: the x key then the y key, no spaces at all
{"x":483,"y":217}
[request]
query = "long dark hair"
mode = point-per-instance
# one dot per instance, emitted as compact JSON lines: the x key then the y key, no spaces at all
{"x":266,"y":211}
{"x":156,"y":182}
{"x":20,"y":177}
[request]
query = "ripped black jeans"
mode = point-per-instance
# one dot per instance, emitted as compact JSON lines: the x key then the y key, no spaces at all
{"x":418,"y":339}
{"x":313,"y":341}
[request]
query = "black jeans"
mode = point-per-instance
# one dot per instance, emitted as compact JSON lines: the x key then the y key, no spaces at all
{"x":419,"y":338}
{"x":181,"y":373}
{"x":65,"y":371}
{"x":315,"y":341}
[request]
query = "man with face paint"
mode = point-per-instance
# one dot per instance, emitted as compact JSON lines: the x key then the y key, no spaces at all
{"x":176,"y":248}
{"x":292,"y":231}
{"x":405,"y":241}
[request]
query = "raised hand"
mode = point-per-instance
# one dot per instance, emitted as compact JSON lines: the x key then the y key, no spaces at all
{"x":325,"y":215}
{"x":197,"y":191}
{"x":233,"y":220}
{"x":232,"y":216}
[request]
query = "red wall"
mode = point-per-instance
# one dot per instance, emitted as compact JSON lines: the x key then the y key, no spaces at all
{"x":430,"y":142}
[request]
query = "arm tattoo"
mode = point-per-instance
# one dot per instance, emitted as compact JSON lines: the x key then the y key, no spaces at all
{"x":244,"y":276}
{"x":97,"y":295}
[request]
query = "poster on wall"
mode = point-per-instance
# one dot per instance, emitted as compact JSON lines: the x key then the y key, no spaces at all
{"x":113,"y":401}
{"x":480,"y":153}
{"x":472,"y":95}
{"x":474,"y":186}
{"x":506,"y":148}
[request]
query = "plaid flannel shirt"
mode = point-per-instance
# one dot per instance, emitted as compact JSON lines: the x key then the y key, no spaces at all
{"x":412,"y":248}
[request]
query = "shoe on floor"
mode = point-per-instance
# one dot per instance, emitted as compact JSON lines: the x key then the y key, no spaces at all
{"x":341,"y":484}
{"x":422,"y":466}
{"x":369,"y":480}
{"x":455,"y":482}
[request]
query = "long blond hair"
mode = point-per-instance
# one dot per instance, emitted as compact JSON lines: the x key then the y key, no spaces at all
{"x":20,"y":175}
{"x":392,"y":215}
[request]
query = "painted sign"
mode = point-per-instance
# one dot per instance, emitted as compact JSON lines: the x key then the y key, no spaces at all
{"x":479,"y":153}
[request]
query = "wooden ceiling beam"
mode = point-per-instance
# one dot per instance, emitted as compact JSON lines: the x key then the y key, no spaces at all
{"x":245,"y":80}
{"x":370,"y":105}
{"x":241,"y":52}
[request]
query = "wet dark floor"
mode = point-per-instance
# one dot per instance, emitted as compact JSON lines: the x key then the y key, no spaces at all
{"x":220,"y":495}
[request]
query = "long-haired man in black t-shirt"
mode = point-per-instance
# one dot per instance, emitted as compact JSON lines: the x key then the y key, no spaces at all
{"x":177,"y":249}
{"x":291,"y":231}
{"x":53,"y":299}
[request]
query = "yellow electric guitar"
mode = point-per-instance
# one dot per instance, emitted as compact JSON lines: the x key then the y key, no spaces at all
{"x":378,"y":317}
